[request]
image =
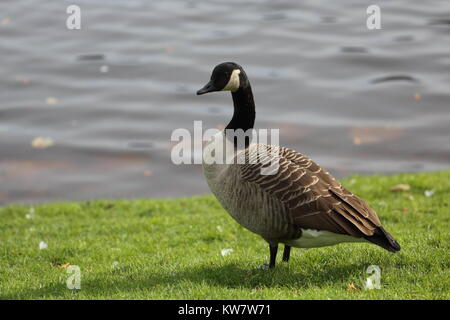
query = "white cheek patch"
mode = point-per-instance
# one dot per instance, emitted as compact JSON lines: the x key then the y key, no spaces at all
{"x":233,"y":83}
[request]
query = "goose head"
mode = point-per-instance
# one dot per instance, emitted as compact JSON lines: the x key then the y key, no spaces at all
{"x":227,"y":76}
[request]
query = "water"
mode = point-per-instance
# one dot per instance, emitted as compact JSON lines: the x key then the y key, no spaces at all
{"x":109,"y":95}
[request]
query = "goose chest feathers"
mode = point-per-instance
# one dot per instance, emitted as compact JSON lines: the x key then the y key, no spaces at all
{"x":298,"y":204}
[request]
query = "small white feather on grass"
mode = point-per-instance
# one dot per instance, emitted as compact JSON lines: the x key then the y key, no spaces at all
{"x":428,"y":193}
{"x":30,"y":214}
{"x":225,"y":252}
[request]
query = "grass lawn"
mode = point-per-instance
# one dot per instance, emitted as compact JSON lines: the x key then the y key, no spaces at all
{"x":171,"y":249}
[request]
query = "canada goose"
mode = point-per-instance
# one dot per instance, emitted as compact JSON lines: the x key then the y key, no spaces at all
{"x":301,"y":205}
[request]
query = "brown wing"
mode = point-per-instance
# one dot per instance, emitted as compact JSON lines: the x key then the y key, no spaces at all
{"x":313,"y":197}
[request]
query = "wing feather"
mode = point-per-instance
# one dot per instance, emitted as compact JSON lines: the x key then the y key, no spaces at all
{"x":312,"y":196}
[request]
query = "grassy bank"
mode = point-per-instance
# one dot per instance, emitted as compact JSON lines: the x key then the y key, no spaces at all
{"x":171,"y":249}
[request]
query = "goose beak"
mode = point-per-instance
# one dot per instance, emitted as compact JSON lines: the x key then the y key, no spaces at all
{"x":209,"y":87}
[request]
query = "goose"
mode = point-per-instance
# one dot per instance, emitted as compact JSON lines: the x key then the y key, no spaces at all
{"x":300,"y":205}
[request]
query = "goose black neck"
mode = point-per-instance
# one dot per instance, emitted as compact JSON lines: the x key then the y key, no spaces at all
{"x":244,"y":109}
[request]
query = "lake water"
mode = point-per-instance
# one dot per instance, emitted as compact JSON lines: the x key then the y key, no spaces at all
{"x":105,"y":99}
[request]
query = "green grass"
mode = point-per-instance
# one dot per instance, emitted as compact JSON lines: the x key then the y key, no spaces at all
{"x":171,"y":249}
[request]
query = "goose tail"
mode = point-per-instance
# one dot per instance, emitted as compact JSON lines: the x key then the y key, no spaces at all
{"x":383,"y":239}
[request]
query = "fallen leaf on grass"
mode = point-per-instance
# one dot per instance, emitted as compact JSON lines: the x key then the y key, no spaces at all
{"x":352,"y":287}
{"x":400,"y":187}
{"x":64,"y":266}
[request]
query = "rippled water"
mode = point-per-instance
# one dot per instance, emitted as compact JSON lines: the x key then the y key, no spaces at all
{"x":109,"y":95}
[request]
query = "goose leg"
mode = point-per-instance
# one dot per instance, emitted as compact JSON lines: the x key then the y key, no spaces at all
{"x":286,"y":253}
{"x":273,"y":255}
